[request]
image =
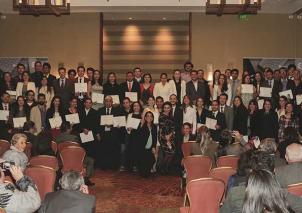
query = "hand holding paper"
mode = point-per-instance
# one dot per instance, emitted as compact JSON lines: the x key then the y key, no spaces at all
{"x":73,"y":118}
{"x":80,"y":87}
{"x":265,"y":92}
{"x":211,"y":123}
{"x":132,"y":123}
{"x":19,"y":122}
{"x":247,"y":88}
{"x":55,"y":122}
{"x":97,"y":98}
{"x":131,"y":95}
{"x":119,"y":121}
{"x":86,"y":137}
{"x":106,"y":120}
{"x":4,"y":114}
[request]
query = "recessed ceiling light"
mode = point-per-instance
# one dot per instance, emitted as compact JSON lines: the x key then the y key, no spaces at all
{"x":130,"y":18}
{"x":164,"y":18}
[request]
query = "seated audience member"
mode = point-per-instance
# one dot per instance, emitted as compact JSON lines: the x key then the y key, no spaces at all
{"x":290,"y":136}
{"x":16,"y":152}
{"x":74,"y":196}
{"x":42,"y":146}
{"x":291,"y":173}
{"x":187,"y":133}
{"x":269,"y":145}
{"x":236,"y":196}
{"x":29,"y":130}
{"x":264,"y":194}
{"x":38,"y":113}
{"x":65,"y":134}
{"x":204,"y":144}
{"x":22,"y":196}
{"x":229,"y":145}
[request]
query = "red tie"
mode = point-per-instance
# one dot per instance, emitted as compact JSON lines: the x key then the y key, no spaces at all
{"x":129,"y":86}
{"x":5,"y":107}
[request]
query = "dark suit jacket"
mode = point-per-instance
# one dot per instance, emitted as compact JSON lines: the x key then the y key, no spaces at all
{"x":64,"y":136}
{"x":86,"y":80}
{"x":124,"y":88}
{"x":91,"y":121}
{"x":267,"y":124}
{"x":65,"y":92}
{"x":51,"y":78}
{"x":229,"y":117}
{"x":240,"y":119}
{"x":216,"y":134}
{"x":36,"y":77}
{"x":203,"y":91}
{"x":144,"y":135}
{"x":289,"y":174}
{"x":68,"y":202}
{"x":277,"y":87}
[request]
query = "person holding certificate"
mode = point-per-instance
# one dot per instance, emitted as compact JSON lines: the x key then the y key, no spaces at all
{"x":129,"y":86}
{"x":201,"y":111}
{"x":109,"y":148}
{"x":82,"y":80}
{"x":275,"y":85}
{"x":95,"y":86}
{"x":5,"y":106}
{"x":146,"y":147}
{"x":73,"y":109}
{"x":7,"y":84}
{"x":240,"y":116}
{"x":111,"y":87}
{"x":134,"y":136}
{"x":25,"y":85}
{"x":247,"y":91}
{"x":220,"y":118}
{"x":20,"y":109}
{"x":146,"y":88}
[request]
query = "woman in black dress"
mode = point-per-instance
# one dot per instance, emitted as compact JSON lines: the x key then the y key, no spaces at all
{"x":55,"y":111}
{"x":240,"y":116}
{"x":201,"y":112}
{"x":146,"y":146}
{"x":252,"y":118}
{"x":111,"y":87}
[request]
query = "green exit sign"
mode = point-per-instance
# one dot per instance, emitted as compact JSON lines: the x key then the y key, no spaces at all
{"x":243,"y":17}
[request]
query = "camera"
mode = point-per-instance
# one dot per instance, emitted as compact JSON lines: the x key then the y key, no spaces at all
{"x":6,"y":165}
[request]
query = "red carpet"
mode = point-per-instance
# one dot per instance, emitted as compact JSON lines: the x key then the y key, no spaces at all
{"x":123,"y":192}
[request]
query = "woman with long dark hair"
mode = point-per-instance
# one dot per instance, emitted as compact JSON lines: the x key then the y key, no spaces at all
{"x":252,"y":117}
{"x":146,"y":88}
{"x":222,"y":86}
{"x":258,"y":82}
{"x":281,"y":106}
{"x":7,"y":84}
{"x":240,"y":116}
{"x":55,"y":111}
{"x":147,"y":143}
{"x":246,"y":97}
{"x":20,"y":109}
{"x":264,"y":194}
{"x":95,"y":86}
{"x":47,"y":90}
{"x":111,"y":87}
{"x":180,"y":85}
{"x":25,"y":85}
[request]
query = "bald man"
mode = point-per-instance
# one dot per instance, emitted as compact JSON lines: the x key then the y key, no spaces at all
{"x":291,"y":173}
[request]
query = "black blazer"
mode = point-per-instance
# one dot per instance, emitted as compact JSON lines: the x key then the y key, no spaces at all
{"x":240,"y":119}
{"x":267,"y":125}
{"x":202,"y":117}
{"x":144,"y":135}
{"x":111,"y":89}
{"x":203,"y":91}
{"x":216,"y":134}
{"x":37,"y":77}
{"x":124,"y":88}
{"x":51,"y":79}
{"x":102,"y":111}
{"x":65,"y":92}
{"x":91,"y":121}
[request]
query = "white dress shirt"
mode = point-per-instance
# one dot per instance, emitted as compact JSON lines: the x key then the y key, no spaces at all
{"x":164,"y":90}
{"x":190,"y":116}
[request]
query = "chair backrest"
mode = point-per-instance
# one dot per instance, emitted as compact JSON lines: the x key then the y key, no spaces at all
{"x":295,"y":189}
{"x":44,"y":177}
{"x":222,"y":173}
{"x":54,"y":147}
{"x":4,"y":146}
{"x":65,"y":144}
{"x":197,"y":166}
{"x":27,"y":150}
{"x":187,"y":148}
{"x":72,"y":158}
{"x":44,"y":160}
{"x":205,"y":195}
{"x":227,"y":161}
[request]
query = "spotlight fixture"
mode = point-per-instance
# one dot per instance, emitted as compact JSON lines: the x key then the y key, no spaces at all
{"x":130,"y":18}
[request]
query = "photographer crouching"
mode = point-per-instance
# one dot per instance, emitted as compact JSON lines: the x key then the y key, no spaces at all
{"x":24,"y":197}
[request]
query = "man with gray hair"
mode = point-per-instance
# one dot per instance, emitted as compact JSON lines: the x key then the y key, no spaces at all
{"x":73,"y":198}
{"x":269,"y":145}
{"x":291,"y":173}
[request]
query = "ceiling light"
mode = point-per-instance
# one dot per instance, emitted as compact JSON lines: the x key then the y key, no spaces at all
{"x":164,"y":18}
{"x":130,"y":18}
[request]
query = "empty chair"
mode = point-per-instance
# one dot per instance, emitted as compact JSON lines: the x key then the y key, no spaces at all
{"x":61,"y":146}
{"x":227,"y":161}
{"x":205,"y":195}
{"x":4,"y":146}
{"x":27,"y":150}
{"x":44,"y":160}
{"x":222,"y":173}
{"x":197,"y":166}
{"x":54,"y":147}
{"x":72,"y":159}
{"x":187,"y":148}
{"x":295,"y":189}
{"x":44,"y":177}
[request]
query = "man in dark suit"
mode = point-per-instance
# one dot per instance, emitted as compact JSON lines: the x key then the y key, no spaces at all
{"x":226,"y":110}
{"x":73,"y":198}
{"x":4,"y":105}
{"x":197,"y":89}
{"x":129,"y":86}
{"x":63,"y":87}
{"x":46,"y":71}
{"x":109,"y":157}
{"x":215,"y":114}
{"x":20,"y":70}
{"x":286,"y":83}
{"x":38,"y":74}
{"x":275,"y":85}
{"x":138,"y":74}
{"x":291,"y":173}
{"x":81,"y":79}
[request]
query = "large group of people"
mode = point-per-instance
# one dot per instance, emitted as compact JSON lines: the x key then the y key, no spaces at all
{"x":140,"y":125}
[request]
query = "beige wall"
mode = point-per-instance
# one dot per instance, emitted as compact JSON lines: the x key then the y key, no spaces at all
{"x":224,"y":41}
{"x":70,"y":39}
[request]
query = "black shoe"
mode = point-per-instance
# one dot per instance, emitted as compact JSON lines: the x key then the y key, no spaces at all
{"x":88,"y":182}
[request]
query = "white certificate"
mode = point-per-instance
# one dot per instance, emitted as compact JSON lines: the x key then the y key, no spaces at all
{"x":86,"y":138}
{"x":11,"y":92}
{"x":299,"y":99}
{"x":287,"y":93}
{"x":73,"y":118}
{"x":4,"y":115}
{"x":211,"y":123}
{"x":80,"y":87}
{"x":265,"y":92}
{"x":119,"y":121}
{"x":247,"y":88}
{"x":133,"y":122}
{"x":131,"y":95}
{"x":19,"y":122}
{"x":55,"y":122}
{"x":156,"y":116}
{"x":97,"y":98}
{"x":115,"y":99}
{"x":106,"y":120}
{"x":260,"y":103}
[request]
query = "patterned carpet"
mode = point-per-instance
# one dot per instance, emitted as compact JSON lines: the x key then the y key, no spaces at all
{"x":123,"y":192}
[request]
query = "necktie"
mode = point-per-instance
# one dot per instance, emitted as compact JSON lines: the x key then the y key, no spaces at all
{"x":5,"y":107}
{"x":62,"y":83}
{"x":222,"y":109}
{"x":214,"y":115}
{"x":129,"y":86}
{"x":80,"y":80}
{"x":269,"y":83}
{"x":107,"y":113}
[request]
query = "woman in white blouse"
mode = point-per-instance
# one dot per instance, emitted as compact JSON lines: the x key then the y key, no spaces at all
{"x":47,"y":90}
{"x":221,"y":87}
{"x":23,"y":87}
{"x":164,"y":88}
{"x":189,"y":113}
{"x":179,"y":84}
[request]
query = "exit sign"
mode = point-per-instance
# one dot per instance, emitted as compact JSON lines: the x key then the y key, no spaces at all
{"x":243,"y":17}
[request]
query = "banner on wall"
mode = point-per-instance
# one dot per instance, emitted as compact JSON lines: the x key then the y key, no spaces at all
{"x":253,"y":65}
{"x":9,"y":64}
